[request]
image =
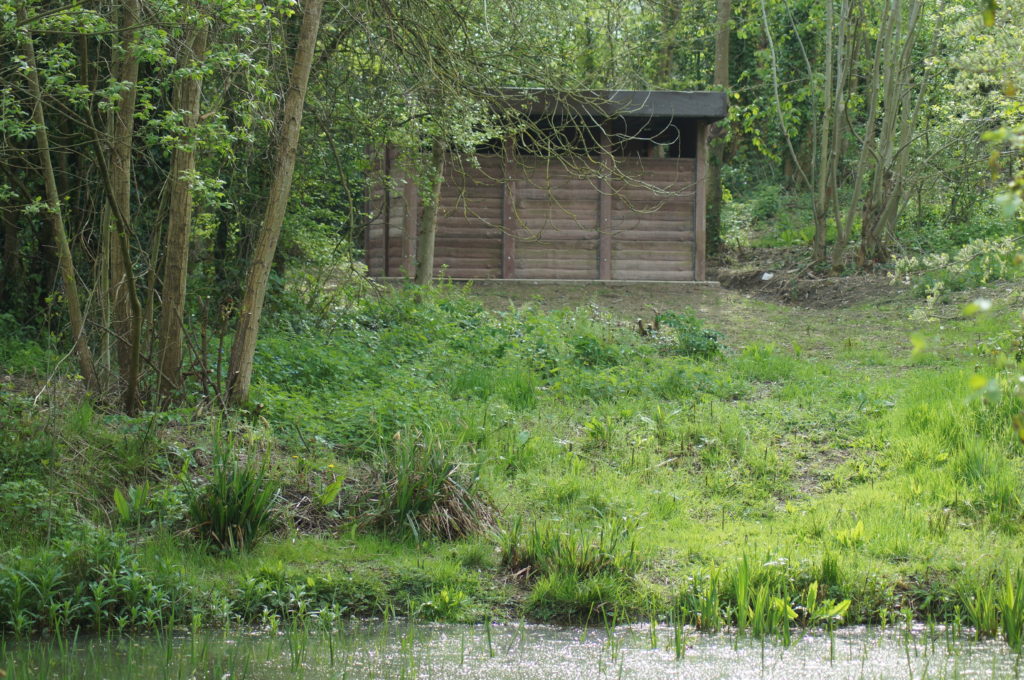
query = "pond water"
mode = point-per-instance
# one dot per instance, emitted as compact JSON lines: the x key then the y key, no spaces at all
{"x":360,"y":651}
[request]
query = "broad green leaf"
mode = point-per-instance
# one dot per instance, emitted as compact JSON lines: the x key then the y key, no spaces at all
{"x":121,"y":503}
{"x":330,"y":493}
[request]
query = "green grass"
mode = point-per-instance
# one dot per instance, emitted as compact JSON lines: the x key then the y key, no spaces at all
{"x":435,"y":456}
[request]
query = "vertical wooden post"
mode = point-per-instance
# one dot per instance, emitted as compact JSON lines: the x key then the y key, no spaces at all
{"x":389,"y":156}
{"x":410,"y":220}
{"x":604,"y":210}
{"x":508,"y":218}
{"x":700,"y":204}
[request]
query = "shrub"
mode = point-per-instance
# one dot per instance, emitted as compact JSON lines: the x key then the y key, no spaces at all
{"x":591,"y":350}
{"x":693,"y":339}
{"x":235,"y":508}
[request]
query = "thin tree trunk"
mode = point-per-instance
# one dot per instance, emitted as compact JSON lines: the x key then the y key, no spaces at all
{"x":844,"y":228}
{"x":716,"y":137}
{"x":127,"y":312}
{"x":427,"y":232}
{"x":175,"y":278}
{"x":884,"y":200}
{"x":65,"y":263}
{"x":822,"y":196}
{"x":243,"y":349}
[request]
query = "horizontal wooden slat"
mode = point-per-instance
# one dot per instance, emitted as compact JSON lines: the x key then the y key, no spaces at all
{"x":557,"y":204}
{"x":485,"y":203}
{"x":663,"y":275}
{"x":467,"y":243}
{"x":656,"y":221}
{"x":450,"y":234}
{"x":657,"y":249}
{"x":471,"y":262}
{"x":558,"y":235}
{"x":526,"y":192}
{"x":652,"y":235}
{"x":570,"y":252}
{"x":553,"y":273}
{"x":564,"y":224}
{"x":468,"y":222}
{"x":468,"y":254}
{"x":470,"y":272}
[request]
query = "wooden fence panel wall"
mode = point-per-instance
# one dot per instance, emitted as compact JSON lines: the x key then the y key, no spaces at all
{"x":547,"y":220}
{"x":468,"y":243}
{"x":555,"y":218}
{"x":652,"y":219}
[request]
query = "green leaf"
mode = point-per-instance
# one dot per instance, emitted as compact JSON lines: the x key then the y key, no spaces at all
{"x":121,"y":503}
{"x":330,"y":493}
{"x":839,"y":609}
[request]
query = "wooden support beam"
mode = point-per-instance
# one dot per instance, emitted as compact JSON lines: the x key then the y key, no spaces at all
{"x":700,"y":204}
{"x":604,"y":211}
{"x":508,"y":218}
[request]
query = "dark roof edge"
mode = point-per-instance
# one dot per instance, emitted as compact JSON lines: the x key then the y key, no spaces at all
{"x":704,"y":105}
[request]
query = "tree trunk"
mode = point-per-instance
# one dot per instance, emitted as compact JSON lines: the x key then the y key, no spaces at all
{"x":427,"y":231}
{"x":716,"y":136}
{"x":884,"y":200}
{"x":179,"y":222}
{"x":243,"y":349}
{"x":670,"y":13}
{"x":65,"y":263}
{"x":127,"y":312}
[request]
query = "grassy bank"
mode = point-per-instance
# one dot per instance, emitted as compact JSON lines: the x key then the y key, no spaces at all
{"x":449,"y":455}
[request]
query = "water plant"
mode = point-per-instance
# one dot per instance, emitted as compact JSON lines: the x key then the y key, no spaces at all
{"x":546,"y":549}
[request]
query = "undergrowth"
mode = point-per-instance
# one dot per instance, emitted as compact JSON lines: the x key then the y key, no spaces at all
{"x":423,"y":454}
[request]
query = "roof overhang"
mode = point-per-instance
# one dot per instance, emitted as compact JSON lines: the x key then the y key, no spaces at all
{"x":605,"y":104}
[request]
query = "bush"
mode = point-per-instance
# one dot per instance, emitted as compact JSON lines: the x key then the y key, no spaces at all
{"x":692,"y":338}
{"x":235,"y":509}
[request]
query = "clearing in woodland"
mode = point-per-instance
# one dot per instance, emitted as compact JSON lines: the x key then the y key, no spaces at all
{"x":522,"y":449}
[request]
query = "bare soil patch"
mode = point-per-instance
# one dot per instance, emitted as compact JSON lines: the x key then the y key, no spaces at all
{"x":814,"y":292}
